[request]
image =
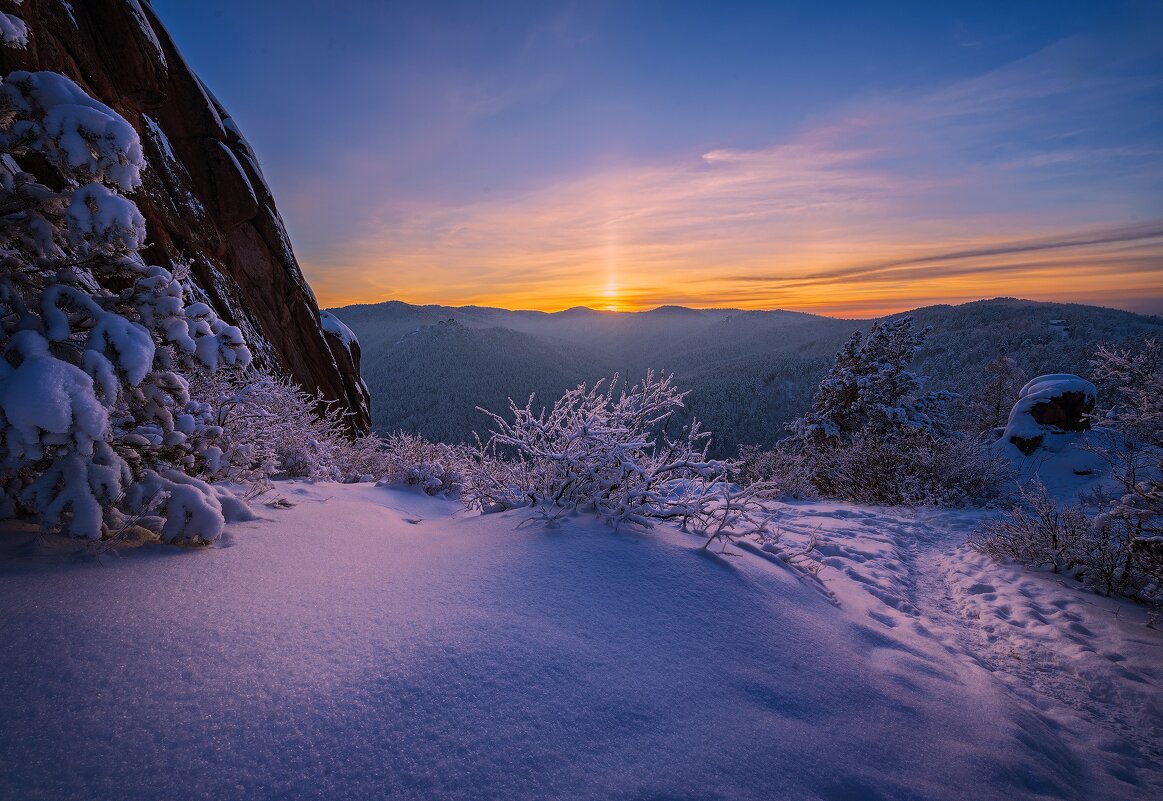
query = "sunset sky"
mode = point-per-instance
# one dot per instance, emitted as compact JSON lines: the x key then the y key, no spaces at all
{"x":827,"y":157}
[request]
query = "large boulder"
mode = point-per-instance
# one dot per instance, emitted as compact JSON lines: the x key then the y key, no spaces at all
{"x":204,"y":199}
{"x":1048,"y":408}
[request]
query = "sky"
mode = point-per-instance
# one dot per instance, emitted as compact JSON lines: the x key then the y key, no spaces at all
{"x":845,"y":158}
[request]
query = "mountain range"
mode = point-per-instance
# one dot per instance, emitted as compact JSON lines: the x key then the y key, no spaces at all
{"x":748,"y":372}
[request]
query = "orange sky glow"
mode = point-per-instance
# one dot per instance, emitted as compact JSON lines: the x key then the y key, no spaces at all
{"x":994,"y":185}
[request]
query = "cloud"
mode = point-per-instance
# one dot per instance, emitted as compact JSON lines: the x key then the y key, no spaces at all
{"x":1047,"y":165}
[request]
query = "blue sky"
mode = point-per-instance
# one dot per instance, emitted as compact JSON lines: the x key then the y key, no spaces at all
{"x":633,"y":153}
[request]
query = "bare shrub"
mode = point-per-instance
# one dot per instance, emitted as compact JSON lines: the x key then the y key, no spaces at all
{"x":783,"y":468}
{"x":1107,"y":553}
{"x":911,"y":468}
{"x":1038,"y":533}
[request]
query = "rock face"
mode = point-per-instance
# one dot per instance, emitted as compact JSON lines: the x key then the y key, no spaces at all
{"x":204,"y":199}
{"x":1048,"y":407}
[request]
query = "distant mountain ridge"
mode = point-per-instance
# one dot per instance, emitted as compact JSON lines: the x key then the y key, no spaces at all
{"x":749,"y":372}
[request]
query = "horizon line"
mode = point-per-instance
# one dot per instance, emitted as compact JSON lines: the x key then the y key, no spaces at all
{"x":731,"y":309}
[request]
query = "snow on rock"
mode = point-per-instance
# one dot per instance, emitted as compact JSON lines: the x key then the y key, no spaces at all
{"x":361,"y":642}
{"x":71,"y":128}
{"x":333,"y":325}
{"x":147,"y":30}
{"x":13,"y":31}
{"x":68,"y":7}
{"x":1049,"y":406}
{"x":245,"y":185}
{"x":160,"y":137}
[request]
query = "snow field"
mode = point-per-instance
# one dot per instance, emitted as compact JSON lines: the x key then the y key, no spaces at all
{"x":376,"y":643}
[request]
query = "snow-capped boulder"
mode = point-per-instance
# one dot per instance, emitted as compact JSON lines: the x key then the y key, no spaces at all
{"x":1048,"y":408}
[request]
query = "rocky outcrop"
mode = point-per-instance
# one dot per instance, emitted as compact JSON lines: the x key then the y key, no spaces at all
{"x":1048,"y":407}
{"x":204,"y":199}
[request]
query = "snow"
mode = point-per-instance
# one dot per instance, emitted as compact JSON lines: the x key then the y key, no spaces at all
{"x":372,"y":643}
{"x":1050,"y":386}
{"x":160,"y":137}
{"x":45,"y":395}
{"x":147,"y":30}
{"x":241,"y":172}
{"x":13,"y":31}
{"x":71,"y":129}
{"x":97,"y":215}
{"x":1040,"y":390}
{"x":333,"y":325}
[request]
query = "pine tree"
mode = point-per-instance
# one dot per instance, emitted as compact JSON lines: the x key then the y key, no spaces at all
{"x":95,"y":413}
{"x":870,"y":390}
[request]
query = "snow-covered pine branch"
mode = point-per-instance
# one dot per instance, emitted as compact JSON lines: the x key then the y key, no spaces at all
{"x":874,"y":435}
{"x":95,"y":410}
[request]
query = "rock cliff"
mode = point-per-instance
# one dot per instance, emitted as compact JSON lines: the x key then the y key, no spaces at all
{"x":204,"y":198}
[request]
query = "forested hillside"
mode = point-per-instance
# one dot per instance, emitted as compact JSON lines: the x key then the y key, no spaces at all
{"x":749,"y":372}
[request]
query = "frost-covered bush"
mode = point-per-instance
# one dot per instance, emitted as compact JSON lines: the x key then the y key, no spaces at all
{"x":782,"y":467}
{"x":266,"y":426}
{"x":604,"y":449}
{"x":1037,"y":532}
{"x":1130,"y":439}
{"x":1132,"y":382}
{"x":95,"y":412}
{"x":874,"y":435}
{"x":912,"y":468}
{"x":1131,"y":442}
{"x":1105,"y":552}
{"x":434,"y":467}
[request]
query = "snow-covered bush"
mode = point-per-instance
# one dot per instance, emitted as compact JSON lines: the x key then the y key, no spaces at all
{"x":873,"y":435}
{"x":266,"y":426}
{"x":606,"y":450}
{"x":434,"y":467}
{"x":13,"y":31}
{"x":912,"y":468}
{"x":782,"y":467}
{"x":1103,"y":552}
{"x":94,"y":406}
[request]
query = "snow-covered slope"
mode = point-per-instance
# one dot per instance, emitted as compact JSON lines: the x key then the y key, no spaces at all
{"x":371,"y":643}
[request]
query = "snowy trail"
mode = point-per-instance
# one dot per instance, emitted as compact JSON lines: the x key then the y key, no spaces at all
{"x":369,"y":643}
{"x":1088,"y":665}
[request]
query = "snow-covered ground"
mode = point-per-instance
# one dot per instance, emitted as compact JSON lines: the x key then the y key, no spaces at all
{"x":375,"y":643}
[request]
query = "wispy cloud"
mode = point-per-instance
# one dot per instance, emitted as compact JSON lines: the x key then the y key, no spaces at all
{"x":1033,"y":180}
